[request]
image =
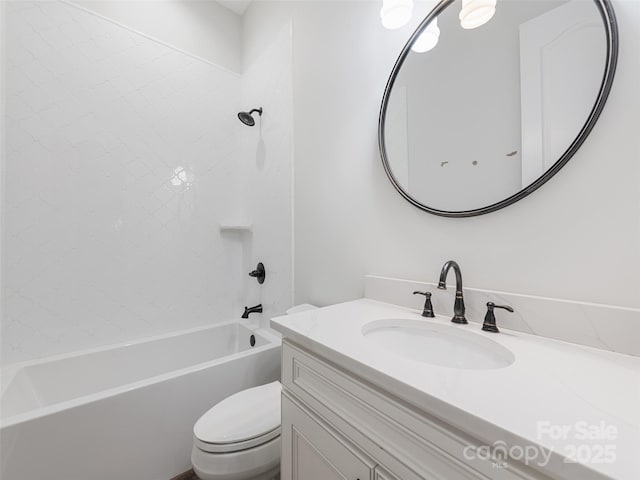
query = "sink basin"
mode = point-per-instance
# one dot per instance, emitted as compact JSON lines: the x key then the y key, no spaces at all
{"x":443,"y":345}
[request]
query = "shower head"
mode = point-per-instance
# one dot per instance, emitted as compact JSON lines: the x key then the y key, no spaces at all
{"x":247,"y":118}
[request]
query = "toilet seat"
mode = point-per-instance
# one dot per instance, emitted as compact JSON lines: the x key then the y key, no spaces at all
{"x":237,"y":446}
{"x":244,"y":420}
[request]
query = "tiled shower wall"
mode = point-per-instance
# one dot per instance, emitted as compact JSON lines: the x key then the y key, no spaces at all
{"x":267,"y":157}
{"x":121,"y":161}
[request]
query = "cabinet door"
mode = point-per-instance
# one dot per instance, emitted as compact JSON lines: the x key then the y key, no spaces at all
{"x":381,"y":474}
{"x":312,"y":450}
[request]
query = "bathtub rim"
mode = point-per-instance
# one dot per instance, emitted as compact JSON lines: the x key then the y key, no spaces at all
{"x":8,"y":372}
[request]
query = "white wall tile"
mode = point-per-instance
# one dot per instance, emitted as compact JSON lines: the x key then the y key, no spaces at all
{"x":268,"y":157}
{"x":100,"y":244}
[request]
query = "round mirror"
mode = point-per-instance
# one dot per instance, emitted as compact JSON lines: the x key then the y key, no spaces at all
{"x":488,"y":100}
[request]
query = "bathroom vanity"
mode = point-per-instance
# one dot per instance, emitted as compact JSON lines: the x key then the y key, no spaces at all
{"x":361,"y":400}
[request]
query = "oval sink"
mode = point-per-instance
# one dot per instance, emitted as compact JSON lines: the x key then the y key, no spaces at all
{"x":442,"y":345}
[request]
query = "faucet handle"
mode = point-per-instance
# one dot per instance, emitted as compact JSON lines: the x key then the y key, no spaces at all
{"x":259,"y":273}
{"x":427,"y":310}
{"x":489,"y":324}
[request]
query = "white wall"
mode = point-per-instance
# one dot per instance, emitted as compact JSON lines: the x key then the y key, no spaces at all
{"x":268,"y":174}
{"x":575,"y":238}
{"x":122,"y":159}
{"x":3,"y":44}
{"x":203,"y":28}
{"x":125,"y":157}
{"x":207,"y":30}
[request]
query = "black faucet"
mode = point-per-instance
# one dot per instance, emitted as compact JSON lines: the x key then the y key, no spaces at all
{"x":248,"y":310}
{"x":489,"y":324}
{"x":427,"y":310}
{"x":458,"y":306}
{"x":259,"y":273}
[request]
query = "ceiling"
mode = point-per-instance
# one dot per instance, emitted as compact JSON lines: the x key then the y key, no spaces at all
{"x":237,"y":6}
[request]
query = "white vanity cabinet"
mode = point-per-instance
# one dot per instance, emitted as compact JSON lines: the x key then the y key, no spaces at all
{"x":317,"y":452}
{"x":336,"y":426}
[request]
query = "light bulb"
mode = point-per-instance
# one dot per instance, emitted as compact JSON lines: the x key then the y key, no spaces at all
{"x":428,"y":38}
{"x":476,"y":12}
{"x":396,"y":13}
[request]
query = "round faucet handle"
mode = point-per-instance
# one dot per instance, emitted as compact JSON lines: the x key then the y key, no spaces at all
{"x":259,"y":273}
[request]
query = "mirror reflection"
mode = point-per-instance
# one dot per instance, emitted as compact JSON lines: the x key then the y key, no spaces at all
{"x":489,"y":99}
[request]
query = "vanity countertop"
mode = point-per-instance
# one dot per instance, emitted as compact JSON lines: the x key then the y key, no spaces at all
{"x":556,"y":395}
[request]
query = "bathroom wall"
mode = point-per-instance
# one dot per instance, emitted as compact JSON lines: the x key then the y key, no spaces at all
{"x":203,"y":28}
{"x":122,"y":159}
{"x":125,"y":162}
{"x":575,"y":238}
{"x":3,"y":42}
{"x":267,"y":153}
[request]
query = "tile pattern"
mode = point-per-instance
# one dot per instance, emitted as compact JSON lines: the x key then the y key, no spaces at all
{"x":268,"y":173}
{"x":122,"y":158}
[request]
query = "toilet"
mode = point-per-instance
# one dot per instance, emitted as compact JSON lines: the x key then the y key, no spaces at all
{"x":239,"y":438}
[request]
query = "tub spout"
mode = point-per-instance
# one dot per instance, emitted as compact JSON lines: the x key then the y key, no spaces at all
{"x":248,"y":310}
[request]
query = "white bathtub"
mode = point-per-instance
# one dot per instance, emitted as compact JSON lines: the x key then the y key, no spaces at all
{"x":126,"y":411}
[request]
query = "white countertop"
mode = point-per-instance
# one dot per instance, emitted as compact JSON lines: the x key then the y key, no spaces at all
{"x":584,"y":389}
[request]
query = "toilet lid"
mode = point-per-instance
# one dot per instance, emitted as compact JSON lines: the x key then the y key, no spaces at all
{"x":243,"y":416}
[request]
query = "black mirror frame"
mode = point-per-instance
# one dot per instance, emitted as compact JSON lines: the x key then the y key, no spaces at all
{"x":611,"y":29}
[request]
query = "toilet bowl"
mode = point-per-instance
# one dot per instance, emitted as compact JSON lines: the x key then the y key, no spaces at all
{"x":239,"y":438}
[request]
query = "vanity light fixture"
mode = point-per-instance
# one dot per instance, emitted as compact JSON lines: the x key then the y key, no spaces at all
{"x":428,"y":38}
{"x":476,"y":12}
{"x":396,"y":13}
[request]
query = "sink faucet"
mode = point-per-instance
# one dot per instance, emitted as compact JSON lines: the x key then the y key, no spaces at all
{"x":489,"y":324}
{"x":248,"y":310}
{"x":458,"y":306}
{"x":427,"y":310}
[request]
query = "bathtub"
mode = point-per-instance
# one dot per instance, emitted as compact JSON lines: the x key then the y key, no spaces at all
{"x":125,"y":411}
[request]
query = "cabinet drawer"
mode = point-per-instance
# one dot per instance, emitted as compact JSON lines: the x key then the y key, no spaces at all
{"x":311,"y":450}
{"x":406,"y":442}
